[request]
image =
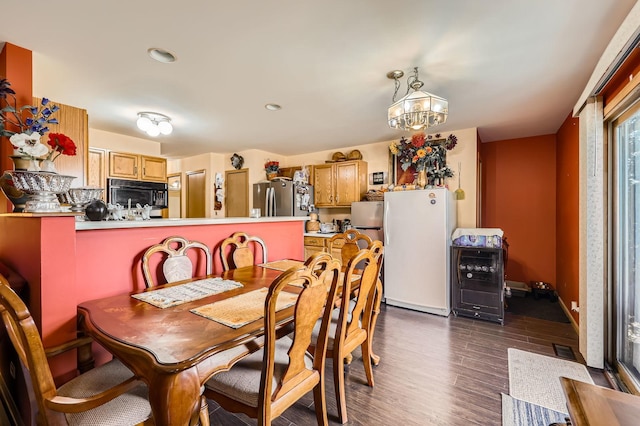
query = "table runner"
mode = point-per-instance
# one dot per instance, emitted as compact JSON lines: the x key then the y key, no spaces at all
{"x":243,"y":309}
{"x":282,"y":265}
{"x":177,"y":295}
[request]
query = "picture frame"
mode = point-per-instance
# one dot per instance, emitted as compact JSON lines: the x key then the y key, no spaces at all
{"x":399,"y":176}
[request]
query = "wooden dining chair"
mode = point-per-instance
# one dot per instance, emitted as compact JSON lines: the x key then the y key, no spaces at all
{"x":351,"y":242}
{"x":264,"y":384}
{"x":108,"y":394}
{"x":240,"y":250}
{"x":177,"y":266}
{"x":352,"y":318}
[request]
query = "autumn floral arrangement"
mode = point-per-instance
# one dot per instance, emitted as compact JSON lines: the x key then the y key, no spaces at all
{"x":32,"y":123}
{"x":425,"y":153}
{"x":271,"y":167}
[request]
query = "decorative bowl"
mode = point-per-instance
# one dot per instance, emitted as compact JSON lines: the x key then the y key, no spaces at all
{"x":80,"y":197}
{"x":42,"y":188}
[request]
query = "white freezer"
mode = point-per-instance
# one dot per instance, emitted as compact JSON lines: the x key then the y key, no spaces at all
{"x":417,"y":239}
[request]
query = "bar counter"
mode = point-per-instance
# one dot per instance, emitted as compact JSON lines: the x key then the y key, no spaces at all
{"x":67,"y":262}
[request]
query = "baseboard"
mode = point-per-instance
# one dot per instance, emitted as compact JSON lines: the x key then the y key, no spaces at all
{"x":568,"y":313}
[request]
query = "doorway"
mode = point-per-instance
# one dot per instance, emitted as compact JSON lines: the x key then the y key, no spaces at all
{"x":196,"y":194}
{"x":174,"y":184}
{"x":237,"y":193}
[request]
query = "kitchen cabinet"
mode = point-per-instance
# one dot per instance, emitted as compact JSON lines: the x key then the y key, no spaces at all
{"x":321,"y":244}
{"x":74,"y":123}
{"x":339,"y":184}
{"x":140,"y":167}
{"x":97,"y":171}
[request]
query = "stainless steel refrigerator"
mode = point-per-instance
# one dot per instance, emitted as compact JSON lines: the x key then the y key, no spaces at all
{"x":366,"y":217}
{"x":282,"y":198}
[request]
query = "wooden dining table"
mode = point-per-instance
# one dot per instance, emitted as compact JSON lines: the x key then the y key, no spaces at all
{"x":172,"y":349}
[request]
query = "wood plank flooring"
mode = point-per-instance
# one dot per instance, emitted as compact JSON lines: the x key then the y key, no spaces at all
{"x":433,"y":371}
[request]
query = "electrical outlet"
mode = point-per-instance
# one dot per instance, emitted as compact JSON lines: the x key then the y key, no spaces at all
{"x":574,"y":306}
{"x":12,"y":370}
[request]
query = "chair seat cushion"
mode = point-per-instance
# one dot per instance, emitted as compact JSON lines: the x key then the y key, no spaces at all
{"x":242,"y":382}
{"x":335,"y":316}
{"x":128,"y":409}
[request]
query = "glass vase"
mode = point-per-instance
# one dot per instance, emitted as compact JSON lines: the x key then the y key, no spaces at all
{"x":421,"y":179}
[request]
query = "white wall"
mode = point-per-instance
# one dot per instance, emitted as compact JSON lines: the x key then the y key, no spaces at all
{"x":122,"y":143}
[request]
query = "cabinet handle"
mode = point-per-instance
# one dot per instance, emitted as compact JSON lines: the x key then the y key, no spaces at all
{"x":135,"y":170}
{"x":337,"y":198}
{"x":144,"y":171}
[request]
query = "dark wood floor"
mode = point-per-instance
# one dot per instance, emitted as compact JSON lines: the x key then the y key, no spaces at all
{"x":433,"y":371}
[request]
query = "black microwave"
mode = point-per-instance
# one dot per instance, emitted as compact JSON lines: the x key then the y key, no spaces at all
{"x":123,"y":192}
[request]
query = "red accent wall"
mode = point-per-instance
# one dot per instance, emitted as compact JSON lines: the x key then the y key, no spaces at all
{"x":15,"y":65}
{"x":567,"y":212}
{"x":519,"y":196}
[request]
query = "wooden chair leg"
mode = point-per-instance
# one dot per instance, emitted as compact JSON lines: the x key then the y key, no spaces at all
{"x":366,"y":360}
{"x":374,"y":318}
{"x":338,"y":380}
{"x":204,"y":412}
{"x":320,"y":402}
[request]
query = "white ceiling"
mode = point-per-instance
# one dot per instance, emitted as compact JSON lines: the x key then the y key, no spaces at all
{"x":511,"y":68}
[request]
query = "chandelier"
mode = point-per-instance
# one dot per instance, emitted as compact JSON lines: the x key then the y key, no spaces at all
{"x":417,"y":110}
{"x":154,"y":123}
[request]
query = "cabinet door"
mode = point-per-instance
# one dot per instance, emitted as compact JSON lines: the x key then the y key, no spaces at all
{"x":154,"y":168}
{"x":74,"y":122}
{"x":347,"y":188}
{"x":122,"y":165}
{"x":97,"y":176}
{"x":323,"y":185}
{"x":310,"y":250}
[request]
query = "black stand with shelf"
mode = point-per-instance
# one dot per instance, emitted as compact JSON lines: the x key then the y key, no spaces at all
{"x":477,"y":287}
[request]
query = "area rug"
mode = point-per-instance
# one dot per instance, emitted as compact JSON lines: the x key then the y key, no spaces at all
{"x":542,"y":308}
{"x":516,"y":412}
{"x":536,"y":378}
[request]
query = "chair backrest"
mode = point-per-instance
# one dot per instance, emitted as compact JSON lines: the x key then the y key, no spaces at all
{"x":315,"y":292}
{"x":26,"y":340}
{"x":355,"y":316}
{"x":176,"y":266}
{"x":354,"y":241}
{"x":243,"y":250}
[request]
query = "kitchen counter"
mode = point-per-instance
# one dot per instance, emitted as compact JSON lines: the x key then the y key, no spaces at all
{"x":153,"y":223}
{"x":320,"y":234}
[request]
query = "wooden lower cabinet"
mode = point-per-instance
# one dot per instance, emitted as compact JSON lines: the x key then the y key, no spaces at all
{"x":316,"y":244}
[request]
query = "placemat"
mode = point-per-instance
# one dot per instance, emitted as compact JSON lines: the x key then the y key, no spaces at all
{"x":282,"y":265}
{"x":177,"y":295}
{"x":243,"y":309}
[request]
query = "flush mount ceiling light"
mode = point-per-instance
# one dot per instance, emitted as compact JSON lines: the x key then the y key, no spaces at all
{"x":417,"y":110}
{"x":161,"y":55}
{"x":154,"y":123}
{"x":273,"y":107}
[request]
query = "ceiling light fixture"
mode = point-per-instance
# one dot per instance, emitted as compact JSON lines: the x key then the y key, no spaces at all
{"x":154,"y":123}
{"x":161,"y":55}
{"x":417,"y":110}
{"x":273,"y":107}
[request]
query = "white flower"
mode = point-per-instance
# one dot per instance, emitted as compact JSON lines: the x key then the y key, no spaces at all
{"x":29,"y":144}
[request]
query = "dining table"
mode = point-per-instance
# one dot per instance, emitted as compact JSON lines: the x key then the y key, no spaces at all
{"x":172,"y":349}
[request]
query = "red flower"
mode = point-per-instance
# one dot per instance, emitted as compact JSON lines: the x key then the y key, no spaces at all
{"x":417,"y":140}
{"x":60,"y":144}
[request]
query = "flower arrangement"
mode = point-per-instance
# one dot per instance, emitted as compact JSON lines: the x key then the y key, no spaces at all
{"x":428,"y":153}
{"x":271,"y":166}
{"x":30,"y":129}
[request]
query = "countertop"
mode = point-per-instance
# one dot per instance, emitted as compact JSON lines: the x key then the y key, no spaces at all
{"x":319,"y":234}
{"x":121,"y":224}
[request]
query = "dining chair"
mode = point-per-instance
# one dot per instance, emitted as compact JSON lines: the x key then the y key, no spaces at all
{"x":266,"y":383}
{"x":177,"y":265}
{"x":108,"y":394}
{"x":352,"y":319}
{"x":353,"y":241}
{"x":240,"y":250}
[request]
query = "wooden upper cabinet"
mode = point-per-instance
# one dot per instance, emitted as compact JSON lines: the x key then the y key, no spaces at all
{"x":339,"y":184}
{"x":97,"y":171}
{"x":74,"y":122}
{"x":134,"y":166}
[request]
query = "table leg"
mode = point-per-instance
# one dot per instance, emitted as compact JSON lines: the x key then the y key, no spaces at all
{"x":175,"y":398}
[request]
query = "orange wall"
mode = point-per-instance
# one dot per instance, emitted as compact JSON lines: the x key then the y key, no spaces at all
{"x":519,"y":196}
{"x":567,"y":212}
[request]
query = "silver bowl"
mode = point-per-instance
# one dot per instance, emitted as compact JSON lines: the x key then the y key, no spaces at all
{"x":42,"y":188}
{"x":80,"y":197}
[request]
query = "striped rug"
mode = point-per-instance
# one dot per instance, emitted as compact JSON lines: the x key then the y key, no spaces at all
{"x":516,"y":412}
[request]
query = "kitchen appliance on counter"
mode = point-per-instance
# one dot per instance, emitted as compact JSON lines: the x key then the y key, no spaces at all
{"x":123,"y":192}
{"x":283,"y":198}
{"x":367,"y":218}
{"x":417,"y":240}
